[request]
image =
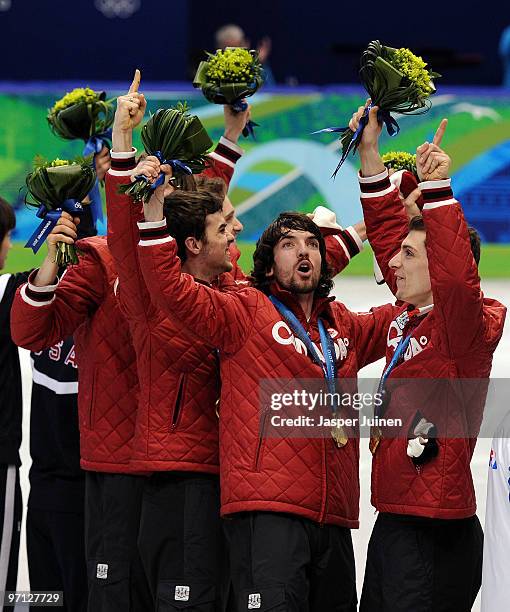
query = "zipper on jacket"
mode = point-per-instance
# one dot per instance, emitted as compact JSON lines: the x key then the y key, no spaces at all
{"x":324,"y":500}
{"x":258,"y":454}
{"x":177,"y":406}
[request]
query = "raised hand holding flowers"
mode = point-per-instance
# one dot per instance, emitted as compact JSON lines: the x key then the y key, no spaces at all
{"x":175,"y":138}
{"x":396,"y":81}
{"x":230,"y":76}
{"x":57,"y":186}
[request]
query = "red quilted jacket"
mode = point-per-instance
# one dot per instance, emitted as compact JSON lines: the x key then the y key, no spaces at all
{"x":83,"y":304}
{"x":456,"y":339}
{"x":308,"y":477}
{"x":177,"y":425}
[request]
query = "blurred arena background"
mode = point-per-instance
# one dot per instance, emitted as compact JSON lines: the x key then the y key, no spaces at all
{"x":49,"y":48}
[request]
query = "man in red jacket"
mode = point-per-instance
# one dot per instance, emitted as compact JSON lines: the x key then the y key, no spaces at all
{"x":289,"y":503}
{"x":426,"y":548}
{"x":176,"y":434}
{"x":177,"y":425}
{"x":83,"y":303}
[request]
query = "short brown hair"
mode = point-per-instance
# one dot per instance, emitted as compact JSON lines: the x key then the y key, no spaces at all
{"x":213,"y":184}
{"x":186,"y":213}
{"x":418,"y":225}
{"x":7,"y":218}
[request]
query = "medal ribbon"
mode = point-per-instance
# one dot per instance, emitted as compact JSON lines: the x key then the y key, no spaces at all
{"x":328,"y":367}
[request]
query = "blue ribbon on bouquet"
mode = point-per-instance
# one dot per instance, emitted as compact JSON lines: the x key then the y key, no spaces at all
{"x":96,"y":142}
{"x":383,"y":116}
{"x":93,"y":146}
{"x":176,"y":164}
{"x":49,"y":220}
{"x":240,"y":107}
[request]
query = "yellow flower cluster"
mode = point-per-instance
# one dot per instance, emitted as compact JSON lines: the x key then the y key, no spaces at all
{"x":399,"y":160}
{"x":414,"y":68}
{"x":231,"y":66}
{"x":78,"y":95}
{"x":59,"y":162}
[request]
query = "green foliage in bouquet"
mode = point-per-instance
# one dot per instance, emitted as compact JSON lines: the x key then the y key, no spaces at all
{"x":228,"y":76}
{"x":400,"y":160}
{"x":176,"y":138}
{"x":55,"y":186}
{"x":396,"y":80}
{"x":80,"y":114}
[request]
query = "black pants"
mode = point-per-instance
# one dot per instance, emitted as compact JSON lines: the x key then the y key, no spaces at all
{"x":285,"y":563}
{"x":117,"y":581}
{"x":422,"y":565}
{"x":56,"y":555}
{"x":11,"y":511}
{"x":181,"y":542}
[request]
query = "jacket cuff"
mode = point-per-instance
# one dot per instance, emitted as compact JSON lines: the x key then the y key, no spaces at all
{"x":350,"y":242}
{"x":436,"y":193}
{"x":122,"y":162}
{"x":226,"y":152}
{"x":352,"y":235}
{"x":375,"y":186}
{"x":37,"y":296}
{"x":153,"y":232}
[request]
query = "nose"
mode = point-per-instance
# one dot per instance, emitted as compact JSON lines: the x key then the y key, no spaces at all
{"x":237,"y":226}
{"x":395,"y":262}
{"x":230,"y":237}
{"x":302,"y":249}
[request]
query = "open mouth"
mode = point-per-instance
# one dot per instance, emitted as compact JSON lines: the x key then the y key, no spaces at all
{"x":304,"y":267}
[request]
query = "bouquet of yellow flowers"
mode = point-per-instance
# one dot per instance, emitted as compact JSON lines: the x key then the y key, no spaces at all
{"x":229,"y":76}
{"x":397,"y":81}
{"x":176,"y":138}
{"x":400,"y":160}
{"x":57,"y":186}
{"x":81,"y":114}
{"x":85,"y":114}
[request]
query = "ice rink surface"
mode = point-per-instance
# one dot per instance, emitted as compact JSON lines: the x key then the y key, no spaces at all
{"x":357,"y":294}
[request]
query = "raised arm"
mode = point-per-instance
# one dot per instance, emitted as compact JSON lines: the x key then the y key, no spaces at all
{"x":385,"y":218}
{"x":222,"y":319}
{"x":42,"y":315}
{"x":458,"y":300}
{"x":342,"y":244}
{"x":123,"y":212}
{"x":223,"y":159}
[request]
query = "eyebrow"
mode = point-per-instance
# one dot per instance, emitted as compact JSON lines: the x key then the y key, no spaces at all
{"x":291,"y":235}
{"x":405,"y":245}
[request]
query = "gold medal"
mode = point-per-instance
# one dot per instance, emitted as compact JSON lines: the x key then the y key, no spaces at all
{"x":338,"y":435}
{"x":375,"y":438}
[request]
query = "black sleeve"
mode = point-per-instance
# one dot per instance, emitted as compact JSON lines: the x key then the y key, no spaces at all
{"x":9,"y":283}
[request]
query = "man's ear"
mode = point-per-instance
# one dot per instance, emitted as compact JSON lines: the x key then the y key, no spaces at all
{"x":270,"y":272}
{"x":193,"y":245}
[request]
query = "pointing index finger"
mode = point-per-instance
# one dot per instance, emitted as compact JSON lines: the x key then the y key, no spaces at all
{"x":136,"y":82}
{"x":438,"y":137}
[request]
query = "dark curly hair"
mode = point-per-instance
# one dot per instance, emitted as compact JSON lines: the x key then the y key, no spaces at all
{"x":263,"y":257}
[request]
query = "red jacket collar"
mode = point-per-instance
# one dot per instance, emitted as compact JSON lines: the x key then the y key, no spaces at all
{"x":321,"y":306}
